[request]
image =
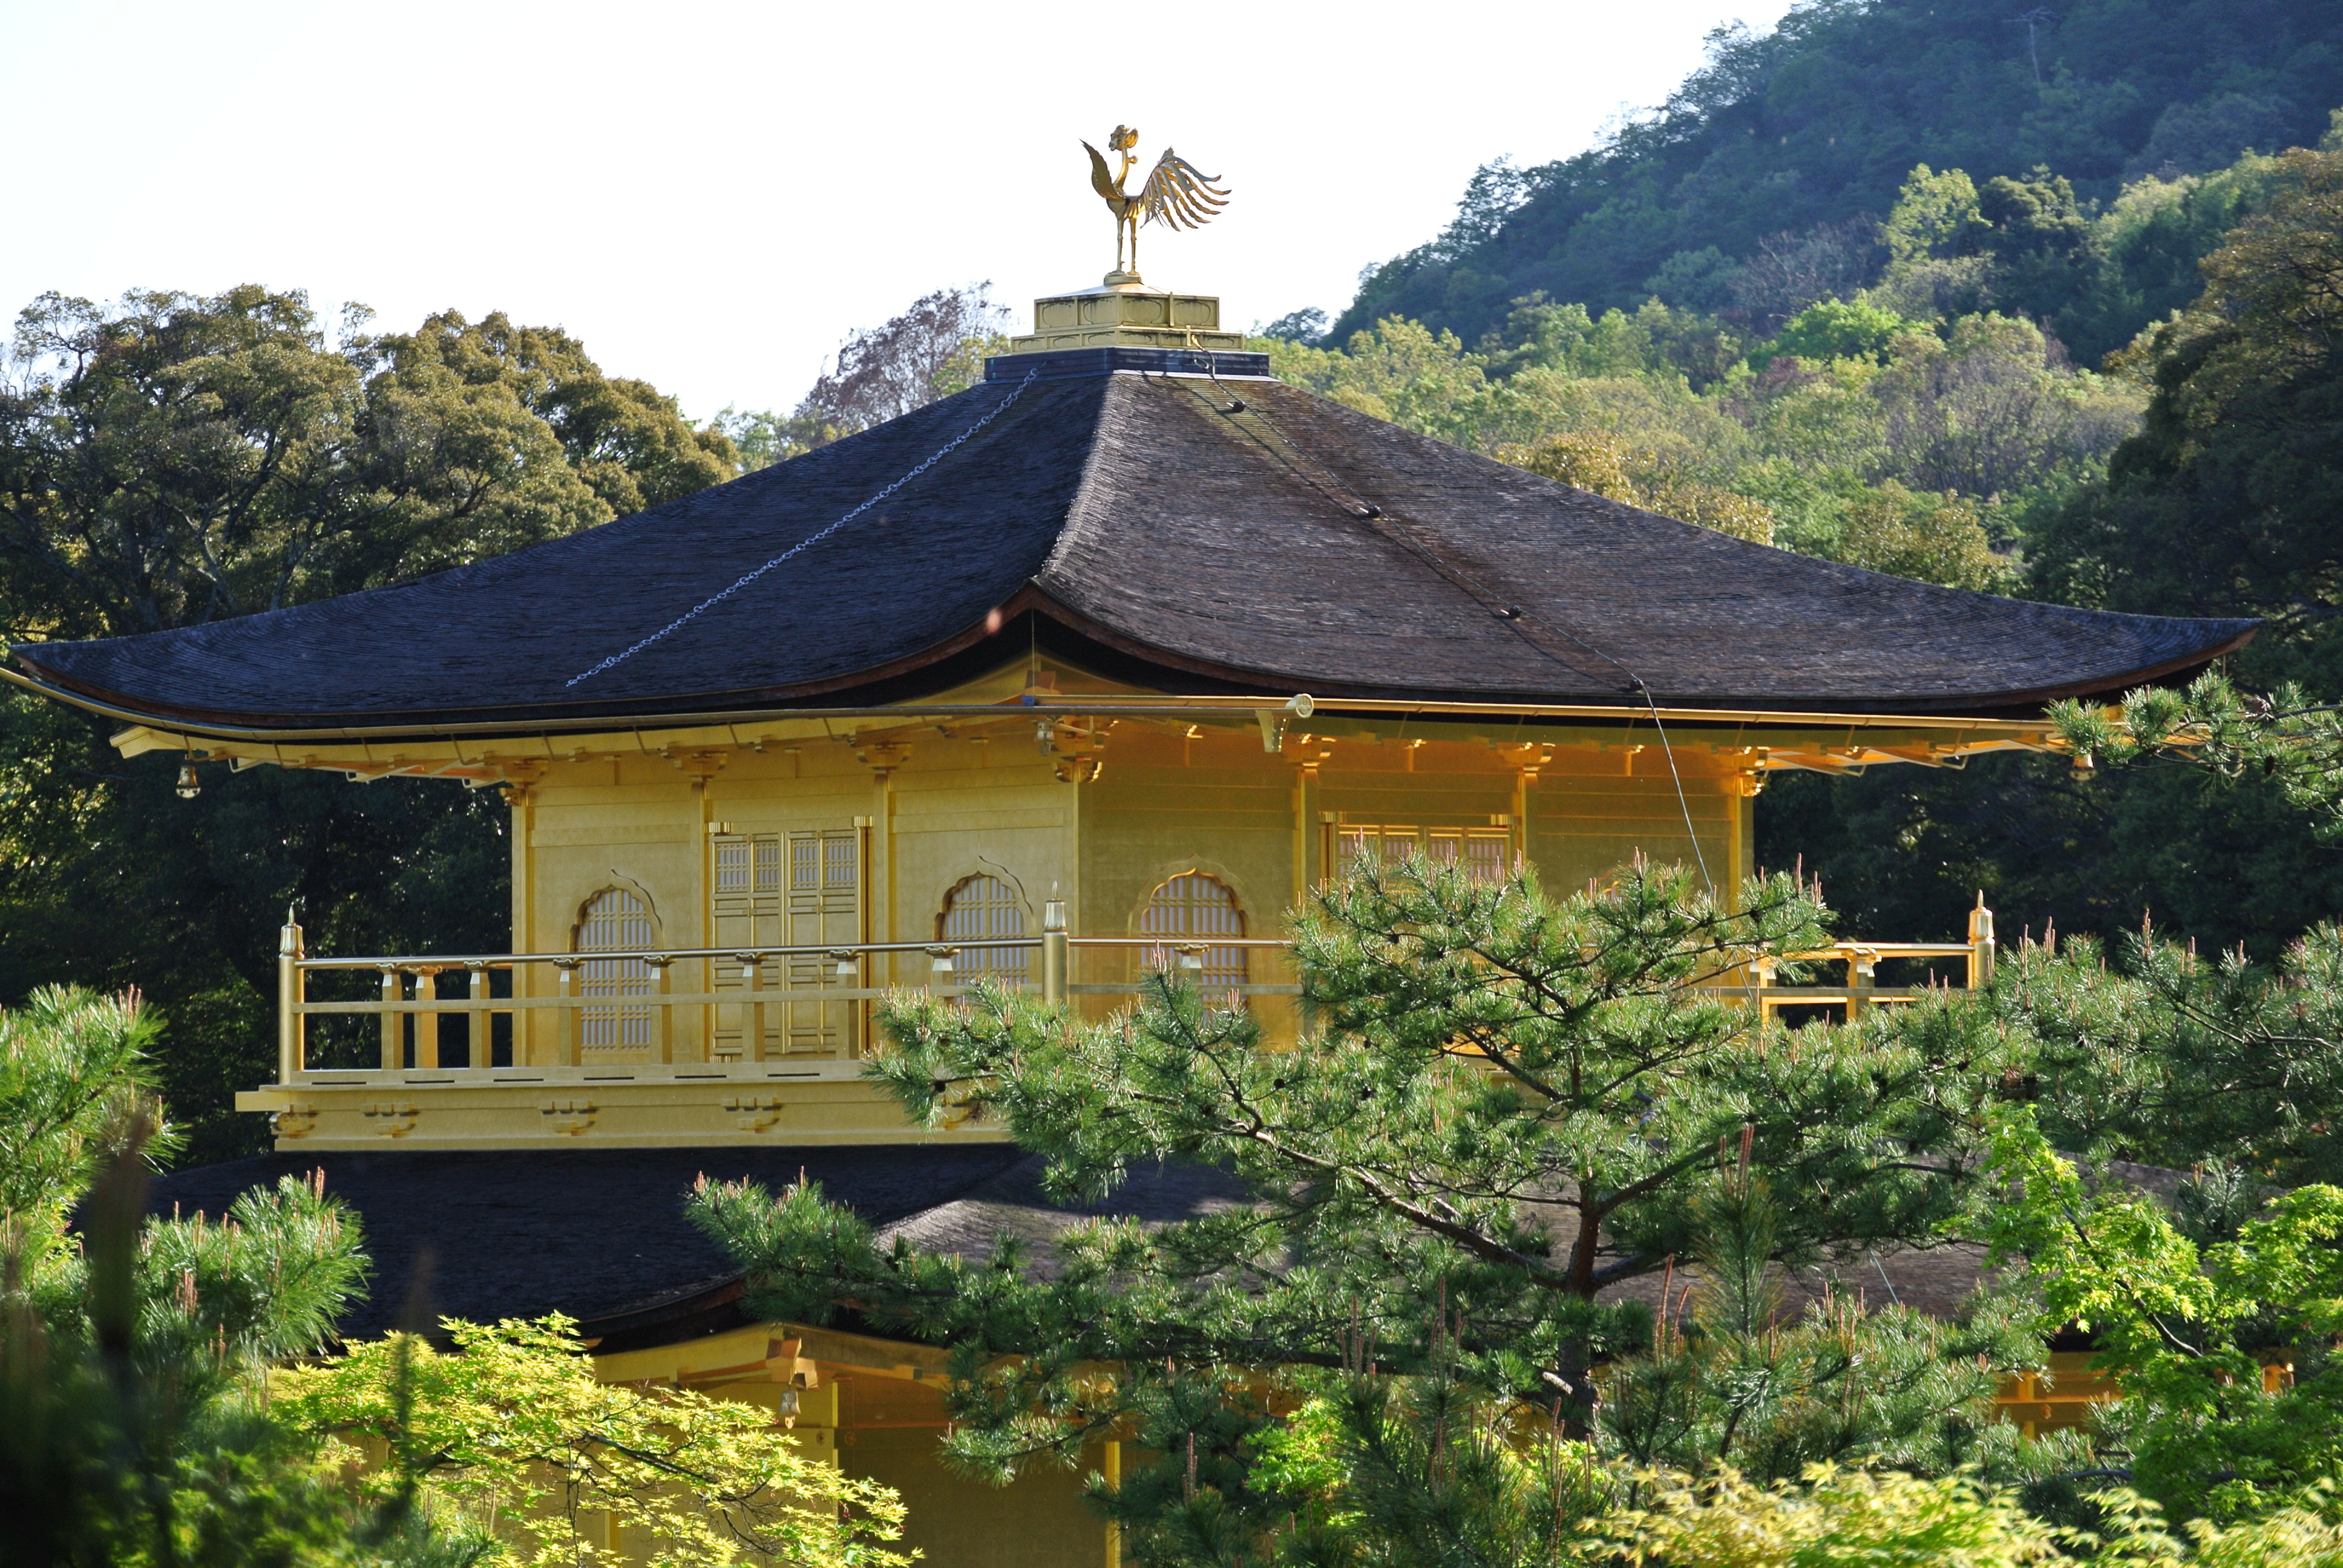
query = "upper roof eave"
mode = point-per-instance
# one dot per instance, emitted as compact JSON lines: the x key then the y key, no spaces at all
{"x":744,"y":708}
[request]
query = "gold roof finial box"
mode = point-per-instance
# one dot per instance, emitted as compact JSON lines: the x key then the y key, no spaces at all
{"x":1126,"y":315}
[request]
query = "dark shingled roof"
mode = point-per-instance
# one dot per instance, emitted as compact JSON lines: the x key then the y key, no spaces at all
{"x":1225,"y":550}
{"x":601,"y":1235}
{"x":598,"y":1234}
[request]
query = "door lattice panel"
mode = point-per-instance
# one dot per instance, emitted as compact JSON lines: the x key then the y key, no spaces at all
{"x":785,"y":889}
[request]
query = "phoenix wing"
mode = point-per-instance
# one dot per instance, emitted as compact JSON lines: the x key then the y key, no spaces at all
{"x":1100,"y":181}
{"x":1177,"y":193}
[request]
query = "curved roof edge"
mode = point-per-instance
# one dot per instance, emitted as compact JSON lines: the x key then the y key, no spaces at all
{"x":898,"y":685}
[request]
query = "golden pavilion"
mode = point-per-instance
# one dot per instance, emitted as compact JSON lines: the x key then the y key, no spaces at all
{"x":1091,"y":669}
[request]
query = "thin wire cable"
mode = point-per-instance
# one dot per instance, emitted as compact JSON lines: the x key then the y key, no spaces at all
{"x":1366,"y":510}
{"x":712,"y":601}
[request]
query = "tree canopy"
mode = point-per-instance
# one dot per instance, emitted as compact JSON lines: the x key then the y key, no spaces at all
{"x":1767,"y":170}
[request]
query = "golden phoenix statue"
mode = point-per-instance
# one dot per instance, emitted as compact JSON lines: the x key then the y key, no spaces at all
{"x":1176,"y":193}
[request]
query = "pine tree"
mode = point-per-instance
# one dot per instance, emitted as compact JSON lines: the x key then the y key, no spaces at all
{"x":1507,"y":1102}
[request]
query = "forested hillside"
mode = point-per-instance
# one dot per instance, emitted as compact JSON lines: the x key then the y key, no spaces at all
{"x":1761,"y":183}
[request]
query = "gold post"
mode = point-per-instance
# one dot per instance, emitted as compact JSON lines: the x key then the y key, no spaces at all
{"x":480,"y":1047}
{"x":666,"y":1010}
{"x":426,"y":1024}
{"x":1980,"y":945}
{"x":1053,"y":950}
{"x":1113,"y":1470}
{"x":566,"y":989}
{"x":755,"y":966}
{"x":289,"y":998}
{"x":394,"y":1031}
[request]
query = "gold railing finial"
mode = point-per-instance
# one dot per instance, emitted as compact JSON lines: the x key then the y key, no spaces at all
{"x":1176,"y":193}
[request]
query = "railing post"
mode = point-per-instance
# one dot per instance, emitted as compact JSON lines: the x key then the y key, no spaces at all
{"x":665,"y":965}
{"x":394,"y":1028}
{"x":427,"y":1021}
{"x":1980,"y":946}
{"x":1112,"y":1468}
{"x":291,"y":993}
{"x":1053,"y":950}
{"x":753,"y":970}
{"x":564,"y":991}
{"x":1862,"y":975}
{"x":480,"y":1047}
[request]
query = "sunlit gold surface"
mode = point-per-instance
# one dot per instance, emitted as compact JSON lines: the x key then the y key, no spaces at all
{"x":1176,"y":194}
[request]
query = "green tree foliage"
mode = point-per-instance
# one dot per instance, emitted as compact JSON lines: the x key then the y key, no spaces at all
{"x":1856,"y":434}
{"x":512,"y":1435}
{"x":1839,"y":329}
{"x":2224,"y":502}
{"x":1828,"y":1516}
{"x":2216,"y":507}
{"x":1781,"y":140}
{"x":131,"y":1429}
{"x":73,"y":1098}
{"x":623,"y":439}
{"x":2190,"y":1323}
{"x":1731,"y":1378}
{"x":1833,"y":1515}
{"x":2220,"y":505}
{"x":174,"y":458}
{"x":1905,"y":850}
{"x":1513,"y":1102}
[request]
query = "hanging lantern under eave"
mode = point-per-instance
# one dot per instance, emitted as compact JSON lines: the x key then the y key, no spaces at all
{"x":189,"y":786}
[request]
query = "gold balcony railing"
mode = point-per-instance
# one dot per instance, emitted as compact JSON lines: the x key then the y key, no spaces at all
{"x":659,"y":1006}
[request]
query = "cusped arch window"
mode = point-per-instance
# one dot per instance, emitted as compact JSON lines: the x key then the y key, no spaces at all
{"x":980,"y":907}
{"x":1193,"y":907}
{"x":615,"y":920}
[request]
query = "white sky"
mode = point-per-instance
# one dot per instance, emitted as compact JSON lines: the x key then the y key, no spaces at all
{"x":710,"y":196}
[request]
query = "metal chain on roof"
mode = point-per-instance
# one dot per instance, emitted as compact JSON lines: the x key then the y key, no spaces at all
{"x":712,"y":601}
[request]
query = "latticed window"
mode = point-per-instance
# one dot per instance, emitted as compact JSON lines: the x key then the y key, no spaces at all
{"x":1390,"y":845}
{"x":1485,"y":853}
{"x":1193,"y":908}
{"x":751,"y":865}
{"x":615,"y":921}
{"x":983,"y":906}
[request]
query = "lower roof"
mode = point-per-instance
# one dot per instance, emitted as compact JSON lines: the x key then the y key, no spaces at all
{"x":600,"y":1235}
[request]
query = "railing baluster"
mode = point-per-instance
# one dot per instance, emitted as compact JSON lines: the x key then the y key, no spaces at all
{"x":291,"y":992}
{"x":566,"y":993}
{"x":1053,"y":950}
{"x":1981,"y":945}
{"x":664,"y":964}
{"x":426,"y":1024}
{"x":479,"y":1045}
{"x":394,"y":1029}
{"x":752,"y":967}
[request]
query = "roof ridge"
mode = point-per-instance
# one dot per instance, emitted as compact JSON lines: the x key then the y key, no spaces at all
{"x":1075,"y":521}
